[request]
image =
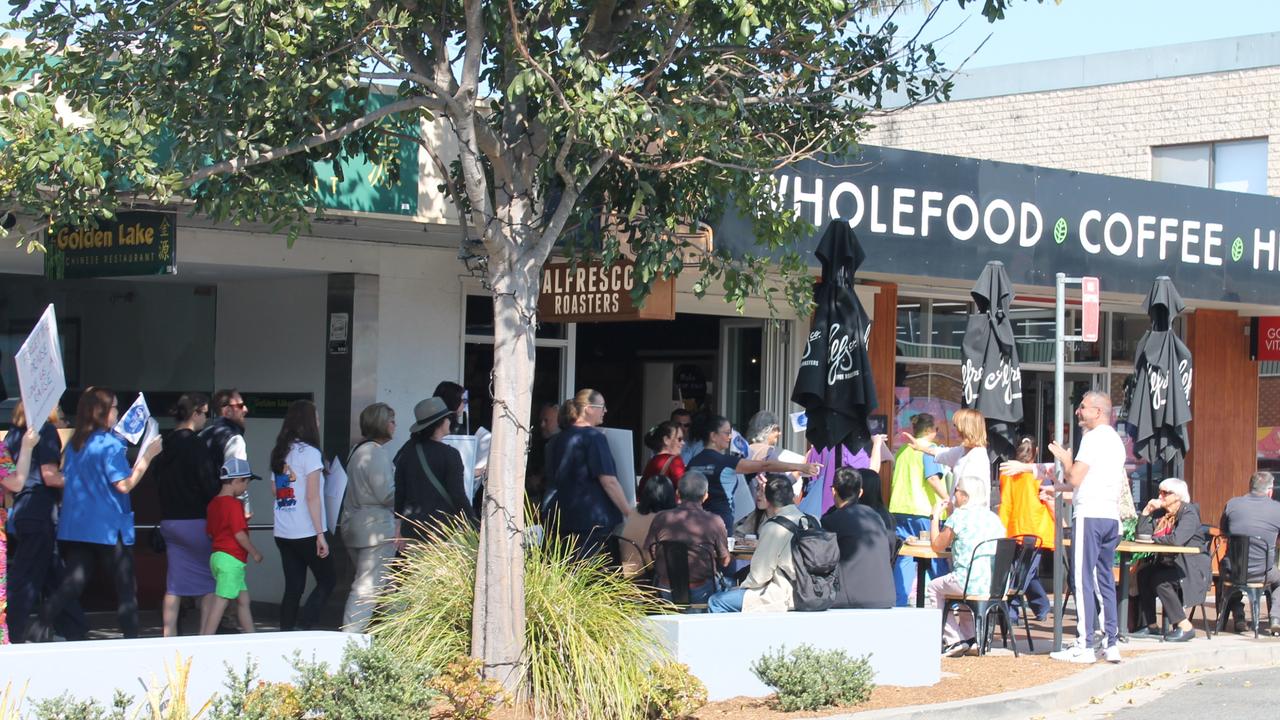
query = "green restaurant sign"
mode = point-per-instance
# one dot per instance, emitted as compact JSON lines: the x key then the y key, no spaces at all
{"x":132,"y":243}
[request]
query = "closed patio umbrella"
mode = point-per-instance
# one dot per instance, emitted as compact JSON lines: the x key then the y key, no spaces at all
{"x":1158,"y":406}
{"x":991,"y":372}
{"x":834,"y":383}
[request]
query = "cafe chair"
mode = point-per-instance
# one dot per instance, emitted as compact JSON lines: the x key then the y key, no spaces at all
{"x":674,"y":555}
{"x":988,"y":601}
{"x":1019,"y":577}
{"x":1237,"y":581}
{"x":614,"y":545}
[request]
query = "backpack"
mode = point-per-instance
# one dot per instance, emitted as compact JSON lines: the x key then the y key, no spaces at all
{"x":816,"y":555}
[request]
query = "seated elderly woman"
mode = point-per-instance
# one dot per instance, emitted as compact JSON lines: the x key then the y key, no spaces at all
{"x":1178,"y":580}
{"x":970,"y":523}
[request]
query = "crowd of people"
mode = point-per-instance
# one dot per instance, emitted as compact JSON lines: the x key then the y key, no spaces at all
{"x":71,"y":516}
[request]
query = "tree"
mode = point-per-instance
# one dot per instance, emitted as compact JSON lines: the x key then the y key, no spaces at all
{"x":607,"y":126}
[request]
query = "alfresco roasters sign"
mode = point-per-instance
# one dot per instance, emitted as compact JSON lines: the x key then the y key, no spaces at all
{"x":921,"y":214}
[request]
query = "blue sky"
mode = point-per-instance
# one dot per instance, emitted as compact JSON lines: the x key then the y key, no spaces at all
{"x":1041,"y":31}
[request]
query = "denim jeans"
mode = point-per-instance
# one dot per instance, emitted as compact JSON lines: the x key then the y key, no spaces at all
{"x":696,"y":594}
{"x":726,"y":601}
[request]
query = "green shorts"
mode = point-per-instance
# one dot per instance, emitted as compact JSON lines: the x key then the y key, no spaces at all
{"x":228,"y":575}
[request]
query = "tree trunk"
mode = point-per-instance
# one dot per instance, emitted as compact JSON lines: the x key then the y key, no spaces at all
{"x":498,"y":622}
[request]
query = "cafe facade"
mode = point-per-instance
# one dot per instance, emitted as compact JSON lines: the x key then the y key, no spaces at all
{"x":376,"y":303}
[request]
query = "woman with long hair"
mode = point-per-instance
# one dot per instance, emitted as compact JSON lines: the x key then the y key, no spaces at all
{"x":585,"y":501}
{"x":296,"y":466}
{"x":31,"y":529}
{"x":96,"y":523}
{"x":186,"y":484}
{"x":666,"y":440}
{"x":1024,"y":513}
{"x":368,"y":513}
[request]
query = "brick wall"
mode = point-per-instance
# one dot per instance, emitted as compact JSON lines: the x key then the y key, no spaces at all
{"x":1108,"y":130}
{"x":1269,"y":402}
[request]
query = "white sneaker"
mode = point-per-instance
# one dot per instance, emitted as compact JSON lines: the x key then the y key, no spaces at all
{"x":1112,"y":654}
{"x":957,"y":649}
{"x":1076,"y":654}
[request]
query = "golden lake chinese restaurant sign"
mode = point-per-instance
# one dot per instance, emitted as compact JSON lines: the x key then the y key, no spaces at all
{"x":131,"y":243}
{"x":594,"y":292}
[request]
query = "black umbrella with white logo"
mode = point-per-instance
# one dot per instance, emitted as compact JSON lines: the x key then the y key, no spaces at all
{"x":834,"y":383}
{"x":1158,"y":403}
{"x":991,"y":373}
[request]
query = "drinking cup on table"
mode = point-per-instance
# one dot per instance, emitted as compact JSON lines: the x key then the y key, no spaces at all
{"x":1144,"y":537}
{"x":924,"y":536}
{"x":731,"y":541}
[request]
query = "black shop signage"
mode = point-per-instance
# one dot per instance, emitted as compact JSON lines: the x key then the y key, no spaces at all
{"x":131,"y":243}
{"x":941,"y":216}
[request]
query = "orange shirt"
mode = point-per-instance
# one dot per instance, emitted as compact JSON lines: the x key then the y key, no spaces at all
{"x":1021,"y":510}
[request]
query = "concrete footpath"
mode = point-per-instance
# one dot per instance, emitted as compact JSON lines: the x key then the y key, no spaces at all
{"x":1099,"y":683}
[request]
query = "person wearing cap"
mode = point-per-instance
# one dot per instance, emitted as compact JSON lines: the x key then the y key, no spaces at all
{"x":228,"y":532}
{"x":429,"y":482}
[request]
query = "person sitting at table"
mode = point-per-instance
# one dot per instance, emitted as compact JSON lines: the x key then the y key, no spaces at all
{"x":655,"y":496}
{"x":1180,"y":580}
{"x":1258,"y":515}
{"x":767,"y":588}
{"x":700,"y":529}
{"x":1023,"y":512}
{"x":866,"y":553}
{"x":970,"y":524}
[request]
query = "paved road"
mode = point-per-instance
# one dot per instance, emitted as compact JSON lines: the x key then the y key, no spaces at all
{"x":1211,"y":696}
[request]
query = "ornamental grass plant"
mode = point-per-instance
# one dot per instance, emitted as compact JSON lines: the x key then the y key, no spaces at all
{"x":588,"y":651}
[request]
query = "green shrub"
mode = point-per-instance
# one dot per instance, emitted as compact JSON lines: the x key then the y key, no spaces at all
{"x":68,"y":707}
{"x":469,"y":695}
{"x":370,"y":684}
{"x":587,"y":649}
{"x":809,"y":679}
{"x":674,"y":692}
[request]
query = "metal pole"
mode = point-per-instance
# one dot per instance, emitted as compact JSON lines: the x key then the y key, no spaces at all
{"x":1059,"y":388}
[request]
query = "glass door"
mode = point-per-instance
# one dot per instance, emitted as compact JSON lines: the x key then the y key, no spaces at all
{"x":741,"y":370}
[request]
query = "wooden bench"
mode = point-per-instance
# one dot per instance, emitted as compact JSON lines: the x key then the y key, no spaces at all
{"x":719,"y":648}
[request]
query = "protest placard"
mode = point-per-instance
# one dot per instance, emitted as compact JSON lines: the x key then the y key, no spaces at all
{"x":41,"y":378}
{"x":133,"y":422}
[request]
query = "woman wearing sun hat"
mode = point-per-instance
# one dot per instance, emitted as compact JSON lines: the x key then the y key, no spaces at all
{"x":429,"y":484}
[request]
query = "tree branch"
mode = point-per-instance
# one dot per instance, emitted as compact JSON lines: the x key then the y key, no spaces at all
{"x":236,"y":165}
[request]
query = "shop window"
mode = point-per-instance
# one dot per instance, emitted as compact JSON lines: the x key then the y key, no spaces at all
{"x":1239,"y":165}
{"x":479,"y":320}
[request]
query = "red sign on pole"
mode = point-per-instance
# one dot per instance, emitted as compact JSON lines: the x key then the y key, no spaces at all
{"x":1089,"y":300}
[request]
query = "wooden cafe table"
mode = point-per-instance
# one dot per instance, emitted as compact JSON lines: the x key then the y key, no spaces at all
{"x":924,"y":556}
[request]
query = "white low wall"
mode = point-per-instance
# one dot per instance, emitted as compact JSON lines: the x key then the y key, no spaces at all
{"x":97,"y":668}
{"x":719,"y":649}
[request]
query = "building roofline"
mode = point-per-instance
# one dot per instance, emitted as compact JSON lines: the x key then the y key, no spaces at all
{"x":1125,"y":66}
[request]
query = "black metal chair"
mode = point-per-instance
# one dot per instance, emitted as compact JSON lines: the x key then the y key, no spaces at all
{"x":983,"y":602}
{"x":615,"y":545}
{"x":1191,"y":613}
{"x":1020,"y":576}
{"x":1236,"y":579}
{"x":674,"y":557}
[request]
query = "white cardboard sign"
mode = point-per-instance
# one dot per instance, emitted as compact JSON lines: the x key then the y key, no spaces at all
{"x":40,"y":374}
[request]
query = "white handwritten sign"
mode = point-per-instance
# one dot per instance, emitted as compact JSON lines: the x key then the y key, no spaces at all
{"x":40,"y":374}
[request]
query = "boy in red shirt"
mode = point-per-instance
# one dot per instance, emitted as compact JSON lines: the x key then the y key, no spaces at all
{"x":226,"y":526}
